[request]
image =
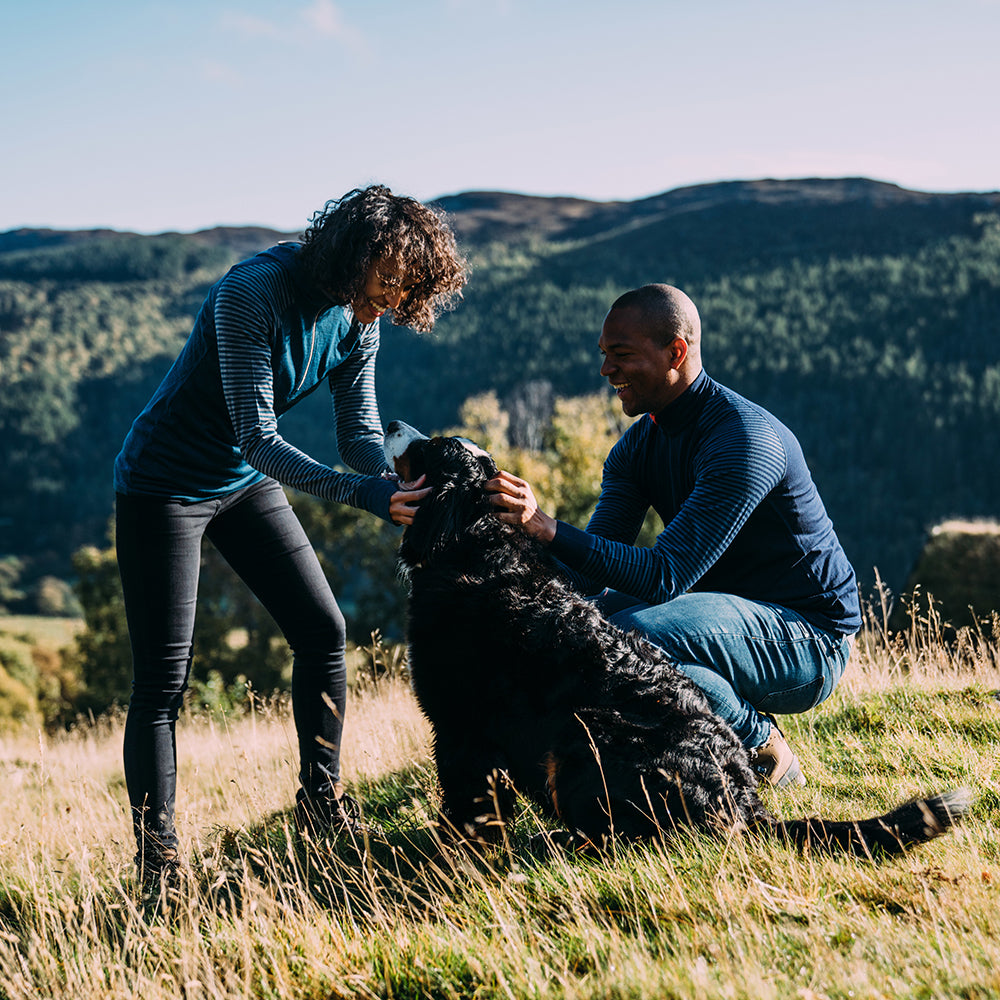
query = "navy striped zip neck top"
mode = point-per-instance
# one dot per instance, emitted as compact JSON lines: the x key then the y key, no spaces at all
{"x":740,"y":510}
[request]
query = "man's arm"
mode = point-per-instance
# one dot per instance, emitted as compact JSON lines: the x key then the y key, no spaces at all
{"x":619,"y":515}
{"x":515,"y":503}
{"x":737,"y":471}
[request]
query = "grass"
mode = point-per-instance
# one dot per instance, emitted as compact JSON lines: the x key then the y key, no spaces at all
{"x":263,"y":915}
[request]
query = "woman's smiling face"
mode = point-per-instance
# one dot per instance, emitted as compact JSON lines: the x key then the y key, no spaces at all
{"x":386,"y":286}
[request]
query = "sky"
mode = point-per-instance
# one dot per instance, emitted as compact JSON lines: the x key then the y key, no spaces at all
{"x":179,"y":115}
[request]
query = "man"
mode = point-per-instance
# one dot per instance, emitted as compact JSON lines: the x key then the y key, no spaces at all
{"x":747,"y":588}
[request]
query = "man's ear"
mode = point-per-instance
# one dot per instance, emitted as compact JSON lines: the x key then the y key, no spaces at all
{"x":678,"y":352}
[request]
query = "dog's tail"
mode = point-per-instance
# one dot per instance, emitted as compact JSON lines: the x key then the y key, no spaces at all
{"x":905,"y":826}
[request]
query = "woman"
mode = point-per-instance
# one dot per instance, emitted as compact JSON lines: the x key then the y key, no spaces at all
{"x":205,"y":458}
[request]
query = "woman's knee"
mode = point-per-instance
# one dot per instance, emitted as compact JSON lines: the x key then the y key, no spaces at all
{"x":156,"y":701}
{"x":319,"y":634}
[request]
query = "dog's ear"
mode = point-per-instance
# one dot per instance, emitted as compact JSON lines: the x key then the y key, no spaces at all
{"x":413,"y":464}
{"x":440,"y":522}
{"x":488,"y":466}
{"x":483,"y":457}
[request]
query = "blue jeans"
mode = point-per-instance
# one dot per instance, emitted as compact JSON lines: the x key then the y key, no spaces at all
{"x":159,"y":557}
{"x":748,"y":657}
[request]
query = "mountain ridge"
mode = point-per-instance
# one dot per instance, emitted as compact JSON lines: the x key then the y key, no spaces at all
{"x":488,"y":215}
{"x":864,"y":315}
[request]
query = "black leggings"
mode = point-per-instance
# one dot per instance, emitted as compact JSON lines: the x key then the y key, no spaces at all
{"x":159,"y":557}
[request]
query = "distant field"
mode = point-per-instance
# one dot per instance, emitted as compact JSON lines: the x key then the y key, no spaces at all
{"x":58,"y":631}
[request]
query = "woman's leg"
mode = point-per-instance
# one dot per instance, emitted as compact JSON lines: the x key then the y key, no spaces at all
{"x":159,"y":556}
{"x":261,"y":538}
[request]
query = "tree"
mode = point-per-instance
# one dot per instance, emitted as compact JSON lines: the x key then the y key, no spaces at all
{"x":10,"y":574}
{"x":101,"y":659}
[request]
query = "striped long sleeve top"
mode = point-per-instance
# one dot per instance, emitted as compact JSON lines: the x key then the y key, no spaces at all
{"x":740,"y":510}
{"x":263,"y":340}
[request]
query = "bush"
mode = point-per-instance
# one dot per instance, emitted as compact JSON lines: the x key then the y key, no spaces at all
{"x":18,"y":704}
{"x":957,"y":577}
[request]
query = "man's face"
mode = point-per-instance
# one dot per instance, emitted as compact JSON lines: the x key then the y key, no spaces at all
{"x":386,"y":286}
{"x":638,"y":369}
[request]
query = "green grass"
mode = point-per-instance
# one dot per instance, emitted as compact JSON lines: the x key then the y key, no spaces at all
{"x":263,"y":915}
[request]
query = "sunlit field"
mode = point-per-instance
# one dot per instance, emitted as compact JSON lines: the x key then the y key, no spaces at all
{"x":262,"y":914}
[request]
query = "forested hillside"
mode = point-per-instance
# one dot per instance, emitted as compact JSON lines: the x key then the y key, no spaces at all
{"x":864,"y":316}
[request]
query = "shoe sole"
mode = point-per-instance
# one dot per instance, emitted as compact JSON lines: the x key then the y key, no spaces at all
{"x":792,"y":776}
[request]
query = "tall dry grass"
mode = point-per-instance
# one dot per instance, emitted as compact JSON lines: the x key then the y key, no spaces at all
{"x":262,"y":915}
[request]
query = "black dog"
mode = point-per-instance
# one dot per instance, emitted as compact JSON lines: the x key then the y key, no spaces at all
{"x":529,"y":690}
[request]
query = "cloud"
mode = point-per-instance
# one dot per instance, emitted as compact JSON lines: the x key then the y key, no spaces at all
{"x":325,"y":17}
{"x":248,"y":24}
{"x":318,"y":20}
{"x":502,"y":7}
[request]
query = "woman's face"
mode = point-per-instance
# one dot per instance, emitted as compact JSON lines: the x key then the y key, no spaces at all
{"x":386,"y":286}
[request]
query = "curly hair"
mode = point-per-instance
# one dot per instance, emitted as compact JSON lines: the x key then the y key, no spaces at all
{"x":371,"y":224}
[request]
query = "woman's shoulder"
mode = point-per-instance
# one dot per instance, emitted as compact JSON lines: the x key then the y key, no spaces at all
{"x":264,"y":278}
{"x":278,"y":260}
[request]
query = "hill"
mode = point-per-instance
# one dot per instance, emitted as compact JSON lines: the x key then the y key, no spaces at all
{"x":865,"y":316}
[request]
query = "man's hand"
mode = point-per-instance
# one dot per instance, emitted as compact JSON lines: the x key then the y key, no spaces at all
{"x":403,"y":505}
{"x":514,"y":503}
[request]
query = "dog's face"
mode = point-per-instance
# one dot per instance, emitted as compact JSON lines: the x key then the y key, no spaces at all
{"x":405,"y":447}
{"x":402,"y":447}
{"x":456,"y":470}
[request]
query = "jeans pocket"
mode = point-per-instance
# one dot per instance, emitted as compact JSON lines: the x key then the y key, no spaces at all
{"x":791,"y":701}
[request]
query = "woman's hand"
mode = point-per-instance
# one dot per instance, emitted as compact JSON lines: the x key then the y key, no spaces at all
{"x":515,"y":503}
{"x":403,"y":505}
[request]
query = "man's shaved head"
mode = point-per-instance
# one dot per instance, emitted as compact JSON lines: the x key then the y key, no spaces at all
{"x":667,"y":313}
{"x":651,"y":347}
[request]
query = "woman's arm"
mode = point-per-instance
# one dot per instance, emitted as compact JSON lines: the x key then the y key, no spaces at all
{"x":245,"y":323}
{"x":355,"y":407}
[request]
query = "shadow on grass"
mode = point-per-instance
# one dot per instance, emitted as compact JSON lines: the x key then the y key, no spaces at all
{"x":402,"y":861}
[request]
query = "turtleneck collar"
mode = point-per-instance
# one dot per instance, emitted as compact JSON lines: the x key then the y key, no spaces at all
{"x":677,"y":415}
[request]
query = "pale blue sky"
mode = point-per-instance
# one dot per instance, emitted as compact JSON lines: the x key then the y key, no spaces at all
{"x":179,"y":115}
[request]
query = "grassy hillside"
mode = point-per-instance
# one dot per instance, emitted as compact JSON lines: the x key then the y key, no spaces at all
{"x":865,"y":316}
{"x":262,"y":916}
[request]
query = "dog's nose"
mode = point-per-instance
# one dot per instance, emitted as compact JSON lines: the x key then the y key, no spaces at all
{"x":393,"y":427}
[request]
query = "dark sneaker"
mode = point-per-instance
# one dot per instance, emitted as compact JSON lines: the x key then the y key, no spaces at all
{"x":333,"y":816}
{"x":773,"y":761}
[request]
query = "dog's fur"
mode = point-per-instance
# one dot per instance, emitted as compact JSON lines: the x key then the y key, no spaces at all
{"x":529,"y":690}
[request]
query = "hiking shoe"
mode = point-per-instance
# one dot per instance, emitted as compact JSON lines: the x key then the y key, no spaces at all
{"x":333,"y":816}
{"x":158,"y":875}
{"x":773,"y":761}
